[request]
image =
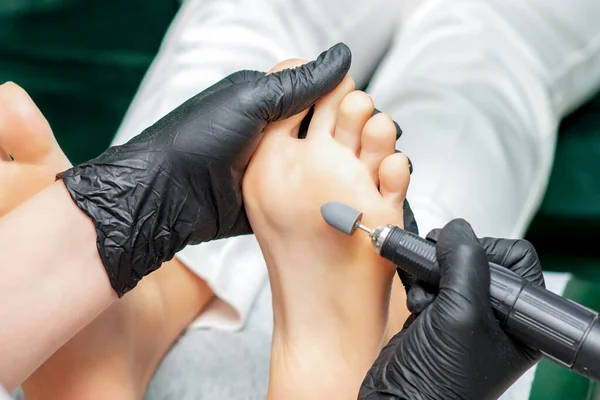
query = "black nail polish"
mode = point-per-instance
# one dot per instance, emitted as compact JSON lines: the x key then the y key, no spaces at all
{"x":410,"y":164}
{"x":398,"y":129}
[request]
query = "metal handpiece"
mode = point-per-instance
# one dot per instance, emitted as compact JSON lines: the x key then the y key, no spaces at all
{"x":563,"y":330}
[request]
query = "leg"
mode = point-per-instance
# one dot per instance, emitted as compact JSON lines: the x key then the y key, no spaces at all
{"x":216,"y":364}
{"x":116,"y":355}
{"x":479,"y":89}
{"x":330,"y":292}
{"x":25,"y":136}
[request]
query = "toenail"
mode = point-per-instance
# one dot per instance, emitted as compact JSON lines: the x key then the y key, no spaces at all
{"x":410,"y":164}
{"x":398,"y":129}
{"x":356,"y":100}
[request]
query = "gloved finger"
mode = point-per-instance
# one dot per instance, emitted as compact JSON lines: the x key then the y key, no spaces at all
{"x":382,"y":373}
{"x":418,"y":299}
{"x":407,"y":280}
{"x":517,"y":255}
{"x":433,"y":235}
{"x":233,"y":79}
{"x":410,"y":223}
{"x":398,"y":129}
{"x":409,"y":321}
{"x":291,"y":91}
{"x":464,"y":268}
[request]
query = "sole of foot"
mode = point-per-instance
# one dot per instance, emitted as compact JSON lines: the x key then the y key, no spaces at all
{"x":330,"y":292}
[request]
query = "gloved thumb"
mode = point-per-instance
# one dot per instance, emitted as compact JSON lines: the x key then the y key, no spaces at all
{"x":291,"y":91}
{"x":465,"y":272}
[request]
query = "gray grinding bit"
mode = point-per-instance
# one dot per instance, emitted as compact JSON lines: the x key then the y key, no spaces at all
{"x":341,"y":216}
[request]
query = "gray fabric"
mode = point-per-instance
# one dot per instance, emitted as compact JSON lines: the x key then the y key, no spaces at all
{"x":17,"y":394}
{"x":211,"y":364}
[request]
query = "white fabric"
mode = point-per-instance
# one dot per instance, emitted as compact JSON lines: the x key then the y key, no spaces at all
{"x":3,"y":394}
{"x":478,"y":86}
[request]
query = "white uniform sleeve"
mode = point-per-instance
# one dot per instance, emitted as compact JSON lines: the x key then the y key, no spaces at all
{"x":479,"y":89}
{"x":208,"y":40}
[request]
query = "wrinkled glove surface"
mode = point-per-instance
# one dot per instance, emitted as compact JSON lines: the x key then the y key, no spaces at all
{"x":455,"y":349}
{"x":179,"y":181}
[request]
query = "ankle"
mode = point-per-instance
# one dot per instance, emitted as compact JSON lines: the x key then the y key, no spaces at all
{"x":325,"y":361}
{"x":299,"y":373}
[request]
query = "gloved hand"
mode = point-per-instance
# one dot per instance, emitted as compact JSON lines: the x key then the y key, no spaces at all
{"x":179,"y":181}
{"x":455,"y":349}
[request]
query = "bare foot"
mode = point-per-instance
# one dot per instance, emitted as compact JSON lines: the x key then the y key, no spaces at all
{"x":26,"y":136}
{"x":115,"y":356}
{"x":330,"y":292}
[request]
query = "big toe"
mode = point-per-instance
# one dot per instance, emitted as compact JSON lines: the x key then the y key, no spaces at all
{"x":291,"y":125}
{"x":394,"y":177}
{"x":378,"y":140}
{"x":355,"y":110}
{"x":24,"y":132}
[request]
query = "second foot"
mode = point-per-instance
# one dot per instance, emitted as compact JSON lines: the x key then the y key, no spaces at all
{"x":29,"y":154}
{"x":115,"y":356}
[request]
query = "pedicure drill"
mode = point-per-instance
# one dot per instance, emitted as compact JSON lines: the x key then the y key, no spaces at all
{"x":564,"y":331}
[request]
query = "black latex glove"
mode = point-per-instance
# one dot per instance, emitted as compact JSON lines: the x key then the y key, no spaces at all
{"x":179,"y":181}
{"x":410,"y":224}
{"x":455,"y":349}
{"x":517,"y":255}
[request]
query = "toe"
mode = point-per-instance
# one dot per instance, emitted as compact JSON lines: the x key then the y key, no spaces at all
{"x":4,"y":155}
{"x":24,"y":132}
{"x":326,"y":110}
{"x":355,"y":110}
{"x":394,"y":177}
{"x":291,"y":125}
{"x":378,"y":140}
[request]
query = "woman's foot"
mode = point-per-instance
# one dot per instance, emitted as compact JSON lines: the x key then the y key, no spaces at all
{"x":115,"y":356}
{"x":26,"y":137}
{"x":330,"y":291}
